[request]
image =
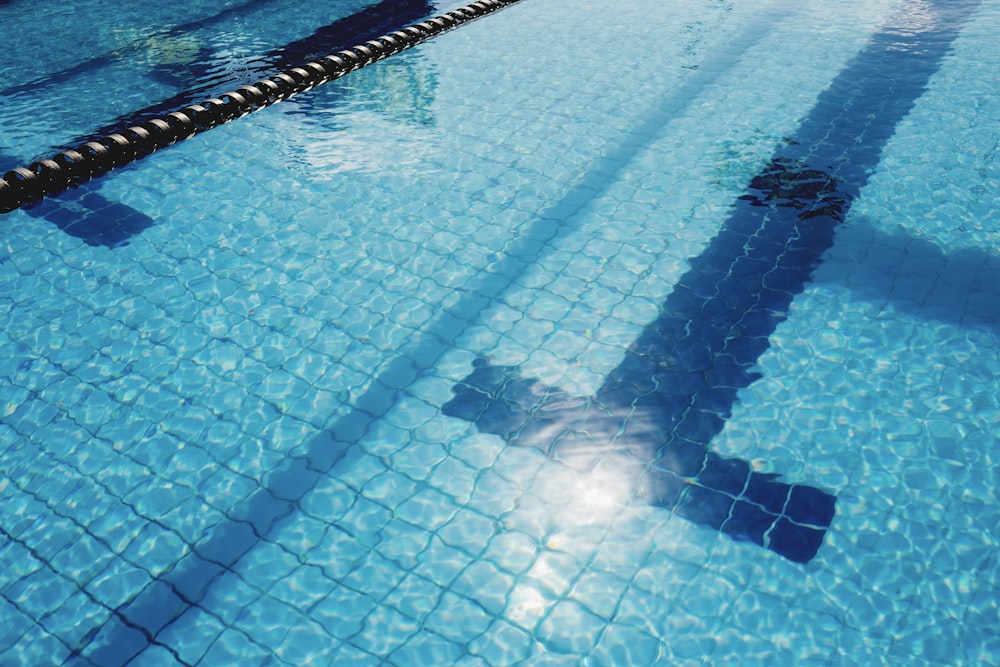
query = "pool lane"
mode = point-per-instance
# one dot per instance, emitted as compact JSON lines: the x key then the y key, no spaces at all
{"x":676,"y":386}
{"x":38,"y":84}
{"x":86,"y":214}
{"x":137,"y":623}
{"x":356,"y":28}
{"x":260,"y":518}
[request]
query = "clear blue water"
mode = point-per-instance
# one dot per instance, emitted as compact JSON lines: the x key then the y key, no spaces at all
{"x":265,"y":395}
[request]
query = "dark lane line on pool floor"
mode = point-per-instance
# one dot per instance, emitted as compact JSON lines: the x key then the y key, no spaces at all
{"x":657,"y":412}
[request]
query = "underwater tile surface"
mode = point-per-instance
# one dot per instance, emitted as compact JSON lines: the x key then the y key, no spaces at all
{"x":268,"y":409}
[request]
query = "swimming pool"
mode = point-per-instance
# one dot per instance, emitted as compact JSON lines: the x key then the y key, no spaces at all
{"x":266,"y":394}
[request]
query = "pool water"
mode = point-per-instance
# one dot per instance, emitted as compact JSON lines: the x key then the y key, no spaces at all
{"x":662,"y":335}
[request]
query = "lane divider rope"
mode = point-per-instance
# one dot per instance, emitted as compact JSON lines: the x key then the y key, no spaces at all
{"x":73,"y":167}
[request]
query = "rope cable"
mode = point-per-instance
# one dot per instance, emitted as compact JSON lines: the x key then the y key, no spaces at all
{"x":75,"y":166}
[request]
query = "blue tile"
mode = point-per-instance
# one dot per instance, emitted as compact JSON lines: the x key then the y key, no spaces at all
{"x":684,"y":459}
{"x":764,"y":490}
{"x":661,"y":488}
{"x":794,"y":542}
{"x":292,"y":480}
{"x":698,"y":426}
{"x":726,"y":475}
{"x":503,"y":418}
{"x":705,"y":506}
{"x":156,"y":656}
{"x":154,"y":608}
{"x":115,"y":644}
{"x":748,"y":522}
{"x":225,"y":543}
{"x":809,"y":506}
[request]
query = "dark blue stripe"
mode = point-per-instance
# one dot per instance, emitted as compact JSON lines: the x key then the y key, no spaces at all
{"x":677,"y":384}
